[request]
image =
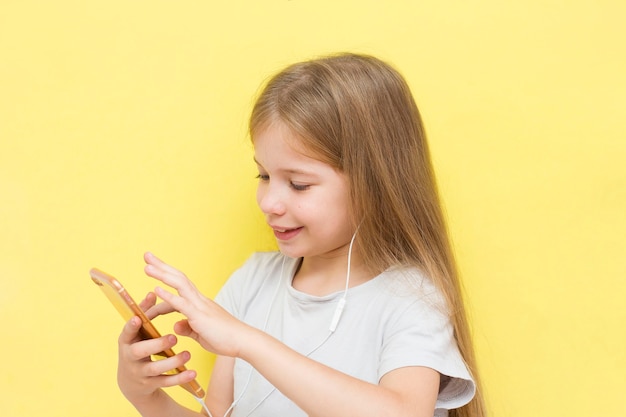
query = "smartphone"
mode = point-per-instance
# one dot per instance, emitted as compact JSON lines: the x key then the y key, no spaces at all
{"x":126,"y":306}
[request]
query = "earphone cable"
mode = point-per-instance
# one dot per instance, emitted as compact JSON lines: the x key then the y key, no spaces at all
{"x":334,"y":322}
{"x":337,"y":315}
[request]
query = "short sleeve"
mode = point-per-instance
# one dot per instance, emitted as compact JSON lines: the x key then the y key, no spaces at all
{"x":422,"y":335}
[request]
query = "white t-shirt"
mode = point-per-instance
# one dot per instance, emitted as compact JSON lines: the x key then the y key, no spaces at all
{"x":394,"y":320}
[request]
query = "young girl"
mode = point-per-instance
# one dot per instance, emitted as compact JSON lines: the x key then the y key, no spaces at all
{"x":360,"y":313}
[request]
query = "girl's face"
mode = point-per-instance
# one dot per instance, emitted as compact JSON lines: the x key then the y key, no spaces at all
{"x":305,"y":201}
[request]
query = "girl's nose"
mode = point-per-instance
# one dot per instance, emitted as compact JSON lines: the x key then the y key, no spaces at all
{"x":270,"y":200}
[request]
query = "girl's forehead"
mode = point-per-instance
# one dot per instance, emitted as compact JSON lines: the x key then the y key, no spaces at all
{"x":278,"y":137}
{"x":274,"y":127}
{"x":278,"y":153}
{"x":275,"y":134}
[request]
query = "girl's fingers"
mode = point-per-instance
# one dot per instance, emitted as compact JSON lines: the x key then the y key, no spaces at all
{"x":176,"y":302}
{"x":148,"y":302}
{"x":176,"y":379}
{"x":146,"y":348}
{"x":183,"y":328}
{"x":151,"y":259}
{"x":176,"y":280}
{"x":159,"y":310}
{"x":172,"y":277}
{"x":162,"y":366}
{"x":130,"y":331}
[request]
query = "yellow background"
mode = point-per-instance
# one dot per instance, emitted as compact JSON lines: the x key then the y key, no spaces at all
{"x":123,"y":129}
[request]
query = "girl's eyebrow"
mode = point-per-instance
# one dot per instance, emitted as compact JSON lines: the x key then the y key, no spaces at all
{"x":290,"y":170}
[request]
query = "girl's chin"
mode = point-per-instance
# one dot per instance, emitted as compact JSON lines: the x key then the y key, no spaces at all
{"x":298,"y":252}
{"x":291,"y":252}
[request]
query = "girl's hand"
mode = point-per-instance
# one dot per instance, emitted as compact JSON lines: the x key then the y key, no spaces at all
{"x":206,"y":322}
{"x":138,"y":376}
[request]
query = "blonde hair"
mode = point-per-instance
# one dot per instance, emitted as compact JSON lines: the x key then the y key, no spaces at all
{"x":357,"y":113}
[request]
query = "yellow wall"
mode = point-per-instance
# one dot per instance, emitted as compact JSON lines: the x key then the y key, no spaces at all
{"x":122,"y":129}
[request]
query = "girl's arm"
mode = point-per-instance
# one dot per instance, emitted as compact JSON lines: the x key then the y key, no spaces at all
{"x":317,"y":389}
{"x":219,"y":395}
{"x":322,"y":391}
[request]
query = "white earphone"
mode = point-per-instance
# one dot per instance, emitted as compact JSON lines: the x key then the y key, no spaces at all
{"x":342,"y":301}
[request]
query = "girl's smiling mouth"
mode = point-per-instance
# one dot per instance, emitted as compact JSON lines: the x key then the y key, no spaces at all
{"x":286,"y":233}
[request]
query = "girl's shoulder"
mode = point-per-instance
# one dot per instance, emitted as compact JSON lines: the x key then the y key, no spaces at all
{"x":411,"y":282}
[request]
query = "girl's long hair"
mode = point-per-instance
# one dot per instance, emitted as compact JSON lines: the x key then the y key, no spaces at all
{"x":357,"y":113}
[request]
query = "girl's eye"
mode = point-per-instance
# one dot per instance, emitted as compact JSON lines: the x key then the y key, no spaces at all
{"x":293,"y":185}
{"x":300,"y":187}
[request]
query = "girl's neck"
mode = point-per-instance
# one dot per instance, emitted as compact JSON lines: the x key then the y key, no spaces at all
{"x":321,"y":276}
